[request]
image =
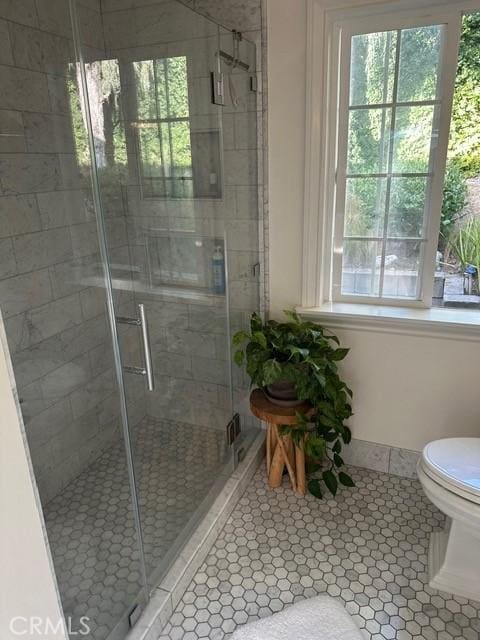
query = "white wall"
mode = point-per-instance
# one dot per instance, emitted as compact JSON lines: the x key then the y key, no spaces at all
{"x":408,"y":389}
{"x":286,"y":42}
{"x":27,"y":585}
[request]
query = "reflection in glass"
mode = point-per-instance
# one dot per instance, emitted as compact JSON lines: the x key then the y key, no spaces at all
{"x":168,"y":150}
{"x":365,"y":206}
{"x":372,"y":68}
{"x":413,"y":139}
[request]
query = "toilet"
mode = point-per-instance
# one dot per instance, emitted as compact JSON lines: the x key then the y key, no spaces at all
{"x":449,"y":471}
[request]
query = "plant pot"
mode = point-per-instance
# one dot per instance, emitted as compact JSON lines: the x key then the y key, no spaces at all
{"x":282,"y":393}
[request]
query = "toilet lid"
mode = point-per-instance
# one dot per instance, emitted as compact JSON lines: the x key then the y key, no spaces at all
{"x":455,"y":462}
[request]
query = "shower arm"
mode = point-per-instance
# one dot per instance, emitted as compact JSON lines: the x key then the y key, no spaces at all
{"x":147,"y":370}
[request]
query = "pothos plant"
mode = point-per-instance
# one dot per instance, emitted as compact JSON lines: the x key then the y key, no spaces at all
{"x":307,"y":355}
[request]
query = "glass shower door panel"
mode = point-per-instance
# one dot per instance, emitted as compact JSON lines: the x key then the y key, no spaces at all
{"x":53,"y":299}
{"x":161,"y":176}
{"x":240,"y":116}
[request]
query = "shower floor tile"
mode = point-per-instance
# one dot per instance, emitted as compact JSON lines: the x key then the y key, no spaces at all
{"x":90,"y":523}
{"x":367,"y":548}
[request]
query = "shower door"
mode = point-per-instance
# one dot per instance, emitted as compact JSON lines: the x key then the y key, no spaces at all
{"x":168,"y":181}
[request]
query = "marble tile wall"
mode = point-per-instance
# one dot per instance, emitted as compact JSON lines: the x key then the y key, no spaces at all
{"x":55,"y":320}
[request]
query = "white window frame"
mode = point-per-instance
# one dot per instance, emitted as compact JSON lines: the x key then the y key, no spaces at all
{"x":325,"y":23}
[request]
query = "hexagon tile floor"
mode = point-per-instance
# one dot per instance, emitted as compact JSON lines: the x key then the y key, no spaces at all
{"x":367,"y":548}
{"x":90,"y":523}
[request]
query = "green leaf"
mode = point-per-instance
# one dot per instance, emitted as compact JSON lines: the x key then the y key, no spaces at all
{"x":297,"y":351}
{"x":271,"y":371}
{"x":339,"y":354}
{"x":256,"y":323}
{"x":338,"y":460}
{"x":337,"y":447}
{"x":330,"y":481}
{"x":259,"y":337}
{"x":292,"y":315}
{"x":345,"y":479}
{"x":311,"y":467}
{"x":240,"y":337}
{"x":239,"y":358}
{"x":315,"y":446}
{"x":347,"y":435}
{"x":314,"y":488}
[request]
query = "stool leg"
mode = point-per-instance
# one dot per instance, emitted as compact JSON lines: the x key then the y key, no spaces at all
{"x":278,"y":462}
{"x":300,"y":467}
{"x":269,"y":447}
{"x":282,"y":446}
{"x":290,"y":449}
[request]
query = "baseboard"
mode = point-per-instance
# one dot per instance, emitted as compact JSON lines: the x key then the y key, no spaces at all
{"x":380,"y":457}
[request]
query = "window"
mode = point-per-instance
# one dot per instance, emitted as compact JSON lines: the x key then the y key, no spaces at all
{"x":382,"y":196}
{"x":394,"y":99}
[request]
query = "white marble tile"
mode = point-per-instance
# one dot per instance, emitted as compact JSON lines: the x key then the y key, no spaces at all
{"x":91,"y":394}
{"x":8,"y":265}
{"x":12,"y":138}
{"x":156,"y":23}
{"x":23,"y":90}
{"x":246,"y":203}
{"x":24,"y":292}
{"x":35,"y":251}
{"x":42,"y":322}
{"x":84,"y":239}
{"x":18,"y":214}
{"x":28,"y":173}
{"x":40,"y":51}
{"x":38,"y":359}
{"x":242,"y":235}
{"x":48,"y":133}
{"x":243,"y":16}
{"x":244,"y":295}
{"x":368,"y":455}
{"x":240,"y":167}
{"x":210,"y":370}
{"x":403,"y":462}
{"x":91,"y":29}
{"x":21,"y":11}
{"x":6,"y":55}
{"x":54,"y":16}
{"x":62,"y":381}
{"x":58,"y":94}
{"x":63,"y":208}
{"x":48,"y":424}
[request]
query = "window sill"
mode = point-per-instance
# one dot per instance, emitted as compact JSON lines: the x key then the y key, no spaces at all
{"x":448,"y":323}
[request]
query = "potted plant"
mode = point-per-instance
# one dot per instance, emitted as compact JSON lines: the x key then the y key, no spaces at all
{"x":294,"y":361}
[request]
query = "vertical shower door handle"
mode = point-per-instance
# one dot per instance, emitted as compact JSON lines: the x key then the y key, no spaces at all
{"x":147,"y":370}
{"x":147,"y":351}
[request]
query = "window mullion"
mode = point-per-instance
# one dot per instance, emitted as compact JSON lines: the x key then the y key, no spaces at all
{"x":390,"y":162}
{"x":159,"y":128}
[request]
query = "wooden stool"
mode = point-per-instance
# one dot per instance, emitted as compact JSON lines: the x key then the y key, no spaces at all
{"x":281,"y":450}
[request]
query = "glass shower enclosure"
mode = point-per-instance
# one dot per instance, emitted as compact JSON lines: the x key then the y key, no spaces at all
{"x":129,"y":201}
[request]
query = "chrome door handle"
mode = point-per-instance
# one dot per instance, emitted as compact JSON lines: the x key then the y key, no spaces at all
{"x":147,"y":351}
{"x":141,"y":322}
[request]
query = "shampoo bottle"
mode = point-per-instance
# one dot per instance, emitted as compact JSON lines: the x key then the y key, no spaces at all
{"x":218,"y":268}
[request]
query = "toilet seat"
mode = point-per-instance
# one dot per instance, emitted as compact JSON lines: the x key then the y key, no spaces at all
{"x":454,"y":463}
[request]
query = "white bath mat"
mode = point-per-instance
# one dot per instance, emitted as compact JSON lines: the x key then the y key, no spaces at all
{"x":320,"y":618}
